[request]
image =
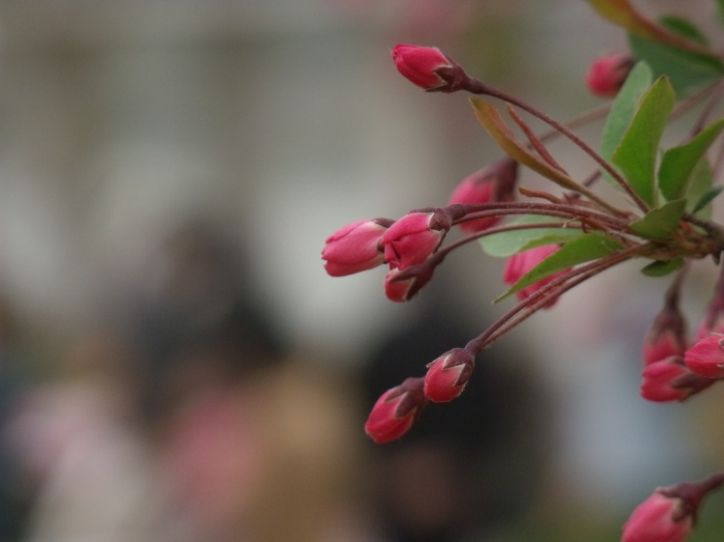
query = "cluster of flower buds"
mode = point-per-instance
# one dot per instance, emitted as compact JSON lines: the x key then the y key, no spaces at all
{"x":396,"y":410}
{"x":408,"y":243}
{"x":675,"y":370}
{"x":543,"y":268}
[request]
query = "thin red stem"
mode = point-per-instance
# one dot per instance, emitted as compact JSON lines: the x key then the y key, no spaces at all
{"x":544,"y":295}
{"x":463,"y":213}
{"x":478,"y":87}
{"x":512,"y":227}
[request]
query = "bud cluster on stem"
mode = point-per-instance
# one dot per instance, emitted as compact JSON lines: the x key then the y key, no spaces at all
{"x":415,"y":244}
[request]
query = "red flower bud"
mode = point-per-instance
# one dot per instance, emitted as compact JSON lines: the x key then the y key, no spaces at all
{"x":413,"y":238}
{"x":427,"y":67}
{"x":395,"y":411}
{"x":519,"y":264}
{"x":355,"y":247}
{"x":401,"y":286}
{"x":706,"y":357}
{"x":608,"y":73}
{"x":493,"y":183}
{"x":448,"y":375}
{"x":667,"y":336}
{"x":658,"y":519}
{"x":670,"y":380}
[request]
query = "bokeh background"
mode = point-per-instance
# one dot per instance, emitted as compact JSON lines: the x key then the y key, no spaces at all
{"x":176,"y":365}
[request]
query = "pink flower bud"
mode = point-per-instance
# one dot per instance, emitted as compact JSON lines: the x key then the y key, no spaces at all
{"x":493,"y":183}
{"x":658,"y":519}
{"x":667,"y":336}
{"x":395,"y":411}
{"x":519,"y":264}
{"x":427,"y":67}
{"x":413,"y":238}
{"x":670,"y":380}
{"x":355,"y":247}
{"x":448,"y":375}
{"x":706,"y":357}
{"x":401,"y":286}
{"x":608,"y":73}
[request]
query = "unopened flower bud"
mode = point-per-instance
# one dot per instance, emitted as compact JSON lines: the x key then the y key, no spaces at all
{"x":448,"y":375}
{"x":355,"y":247}
{"x":660,"y":518}
{"x":491,"y":184}
{"x":608,"y":73}
{"x":414,"y":237}
{"x":667,"y":336}
{"x":706,"y":357}
{"x":401,"y":286}
{"x":427,"y":67}
{"x":518,"y":265}
{"x":670,"y":380}
{"x":395,"y":411}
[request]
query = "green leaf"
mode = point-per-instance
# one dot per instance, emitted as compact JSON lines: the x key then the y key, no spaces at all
{"x":686,"y":70}
{"x":494,"y":124}
{"x":661,"y":268}
{"x":589,"y":246}
{"x":684,"y":27}
{"x":622,"y":13}
{"x":491,"y":120}
{"x":660,"y":224}
{"x":624,"y":107}
{"x":637,"y":151}
{"x":504,"y":244}
{"x":701,"y":190}
{"x":706,"y":199}
{"x":679,"y":162}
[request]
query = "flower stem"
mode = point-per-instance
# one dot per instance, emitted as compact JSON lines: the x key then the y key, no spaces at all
{"x":540,"y":298}
{"x":475,"y":86}
{"x":463,"y":213}
{"x":512,"y":227}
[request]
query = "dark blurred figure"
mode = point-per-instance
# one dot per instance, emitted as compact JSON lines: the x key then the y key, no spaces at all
{"x":199,"y":303}
{"x":469,"y":468}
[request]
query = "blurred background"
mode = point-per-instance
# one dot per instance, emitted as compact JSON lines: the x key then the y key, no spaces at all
{"x":176,"y":365}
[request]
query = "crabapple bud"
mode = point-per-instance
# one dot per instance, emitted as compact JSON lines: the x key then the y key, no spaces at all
{"x":706,"y":357}
{"x":665,"y":380}
{"x":448,"y":375}
{"x":518,"y":265}
{"x":608,"y":73}
{"x":493,"y":183}
{"x":401,"y":286}
{"x":355,"y":247}
{"x":414,"y":237}
{"x":395,"y":411}
{"x":660,"y":518}
{"x":427,"y":67}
